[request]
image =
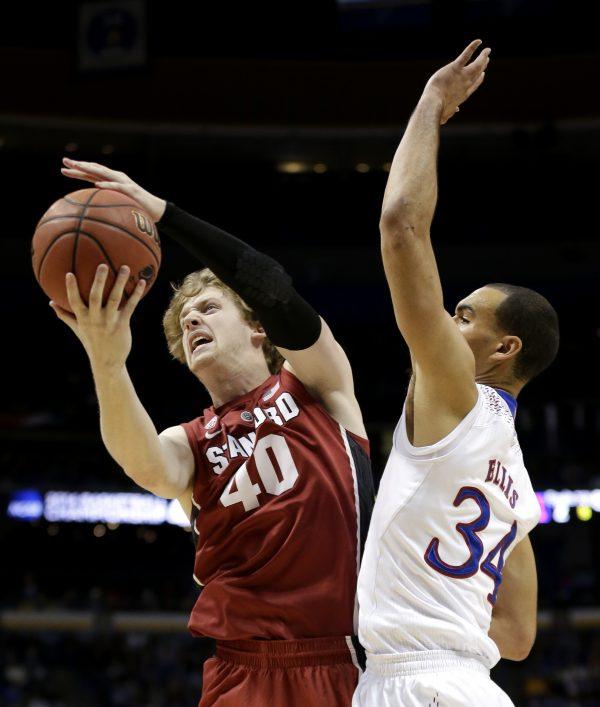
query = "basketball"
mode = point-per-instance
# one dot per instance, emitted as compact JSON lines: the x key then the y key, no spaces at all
{"x":87,"y":228}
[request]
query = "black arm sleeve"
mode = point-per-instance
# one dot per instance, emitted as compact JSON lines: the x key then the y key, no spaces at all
{"x":289,"y":321}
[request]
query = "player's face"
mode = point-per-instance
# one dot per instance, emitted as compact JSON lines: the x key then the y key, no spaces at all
{"x":475,"y":316}
{"x":214,"y":330}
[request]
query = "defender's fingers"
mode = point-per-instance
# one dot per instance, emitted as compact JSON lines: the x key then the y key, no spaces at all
{"x":134,"y":298}
{"x":464,"y":58}
{"x":116,"y":294}
{"x":75,"y":301}
{"x":97,"y":290}
{"x":64,"y":316}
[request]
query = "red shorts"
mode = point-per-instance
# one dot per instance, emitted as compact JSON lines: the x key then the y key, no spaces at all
{"x":315,"y":672}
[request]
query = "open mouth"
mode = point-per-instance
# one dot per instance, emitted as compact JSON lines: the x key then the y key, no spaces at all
{"x":198,"y":341}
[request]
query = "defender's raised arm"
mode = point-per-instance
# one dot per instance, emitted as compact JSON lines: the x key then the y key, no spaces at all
{"x":444,"y":364}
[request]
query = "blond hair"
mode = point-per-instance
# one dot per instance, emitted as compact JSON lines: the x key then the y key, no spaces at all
{"x":192,"y":285}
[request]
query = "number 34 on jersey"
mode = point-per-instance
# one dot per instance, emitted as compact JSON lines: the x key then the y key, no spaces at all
{"x":470,"y":532}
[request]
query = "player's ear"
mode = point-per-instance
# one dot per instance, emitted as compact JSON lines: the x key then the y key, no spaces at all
{"x":508,"y":348}
{"x":258,"y":335}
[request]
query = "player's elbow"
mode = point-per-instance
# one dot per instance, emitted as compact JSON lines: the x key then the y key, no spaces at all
{"x":398,"y":224}
{"x":520,"y":643}
{"x":516,"y":652}
{"x":151,"y":479}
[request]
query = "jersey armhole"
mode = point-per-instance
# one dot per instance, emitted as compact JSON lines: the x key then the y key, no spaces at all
{"x":193,"y":431}
{"x":362,"y":441}
{"x":289,"y":380}
{"x":441,"y":448}
{"x":298,"y":387}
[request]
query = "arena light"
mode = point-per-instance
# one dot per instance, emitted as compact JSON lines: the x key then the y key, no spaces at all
{"x":584,"y":513}
{"x":292,"y":167}
{"x":557,"y":504}
{"x":25,"y":505}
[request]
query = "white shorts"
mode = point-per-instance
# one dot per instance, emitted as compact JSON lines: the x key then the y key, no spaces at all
{"x":427,"y":679}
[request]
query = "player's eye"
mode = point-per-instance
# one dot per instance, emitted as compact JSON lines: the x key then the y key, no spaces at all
{"x":209,"y":306}
{"x":464,"y":320}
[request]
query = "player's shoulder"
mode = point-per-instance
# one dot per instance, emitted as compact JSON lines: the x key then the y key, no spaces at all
{"x":497,"y":405}
{"x":200,"y":428}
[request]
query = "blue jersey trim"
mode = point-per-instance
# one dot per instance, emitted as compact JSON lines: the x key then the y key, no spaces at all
{"x":509,"y":400}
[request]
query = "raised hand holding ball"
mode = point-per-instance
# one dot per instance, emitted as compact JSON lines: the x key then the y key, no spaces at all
{"x":90,"y":227}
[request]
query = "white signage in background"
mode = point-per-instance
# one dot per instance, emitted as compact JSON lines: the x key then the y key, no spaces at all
{"x":146,"y":509}
{"x":112,"y":35}
{"x":127,"y":508}
{"x":86,"y":507}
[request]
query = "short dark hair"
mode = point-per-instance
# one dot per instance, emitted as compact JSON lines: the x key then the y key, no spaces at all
{"x":527,"y":314}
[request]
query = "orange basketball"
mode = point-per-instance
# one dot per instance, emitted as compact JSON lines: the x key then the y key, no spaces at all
{"x":89,"y":227}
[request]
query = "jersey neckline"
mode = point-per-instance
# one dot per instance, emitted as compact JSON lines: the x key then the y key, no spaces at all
{"x":509,"y":399}
{"x":241,"y":399}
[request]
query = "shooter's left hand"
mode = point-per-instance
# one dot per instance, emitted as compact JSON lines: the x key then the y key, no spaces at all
{"x":107,"y":178}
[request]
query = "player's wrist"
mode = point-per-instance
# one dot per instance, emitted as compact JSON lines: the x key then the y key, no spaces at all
{"x":156,"y":208}
{"x":107,"y":372}
{"x":432,"y":99}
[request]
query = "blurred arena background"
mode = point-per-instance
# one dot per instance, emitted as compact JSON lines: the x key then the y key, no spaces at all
{"x":277,"y":122}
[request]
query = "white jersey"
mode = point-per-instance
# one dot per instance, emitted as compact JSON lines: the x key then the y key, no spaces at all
{"x":445,"y":520}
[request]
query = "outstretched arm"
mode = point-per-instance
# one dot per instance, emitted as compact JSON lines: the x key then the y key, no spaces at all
{"x":303,"y":338}
{"x":514,"y":618}
{"x":443,"y":363}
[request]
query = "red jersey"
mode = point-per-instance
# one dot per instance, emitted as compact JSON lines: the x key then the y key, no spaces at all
{"x":281,"y":504}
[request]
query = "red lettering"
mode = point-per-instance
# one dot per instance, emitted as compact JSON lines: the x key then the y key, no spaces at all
{"x":496,"y":477}
{"x":503,"y":477}
{"x":510,"y":482}
{"x":513,"y":499}
{"x":491,"y":468}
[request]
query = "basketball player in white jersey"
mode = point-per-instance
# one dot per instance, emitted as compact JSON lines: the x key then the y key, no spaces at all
{"x":448,"y":581}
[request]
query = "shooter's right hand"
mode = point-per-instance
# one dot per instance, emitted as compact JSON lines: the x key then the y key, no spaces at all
{"x":107,"y":178}
{"x":104,"y":331}
{"x":455,"y":82}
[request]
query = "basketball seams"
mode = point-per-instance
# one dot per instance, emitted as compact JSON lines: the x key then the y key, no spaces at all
{"x":78,"y":229}
{"x":62,"y":250}
{"x":129,"y":233}
{"x":106,"y":223}
{"x":104,"y":253}
{"x":99,"y":206}
{"x":52,"y":242}
{"x":43,"y":222}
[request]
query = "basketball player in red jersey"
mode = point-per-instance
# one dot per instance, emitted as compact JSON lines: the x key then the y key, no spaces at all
{"x":275,"y":475}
